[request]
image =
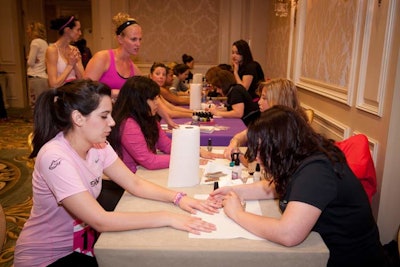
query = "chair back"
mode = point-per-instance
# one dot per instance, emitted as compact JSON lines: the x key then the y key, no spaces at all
{"x":358,"y":156}
{"x":310,"y":115}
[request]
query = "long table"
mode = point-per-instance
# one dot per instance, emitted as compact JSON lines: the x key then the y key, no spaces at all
{"x":169,"y":247}
{"x":220,"y":137}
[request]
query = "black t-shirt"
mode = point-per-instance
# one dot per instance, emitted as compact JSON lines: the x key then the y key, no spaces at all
{"x":254,"y":69}
{"x":238,"y":94}
{"x":346,"y":223}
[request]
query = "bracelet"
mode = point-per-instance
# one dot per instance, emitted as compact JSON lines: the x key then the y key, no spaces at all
{"x":178,"y":198}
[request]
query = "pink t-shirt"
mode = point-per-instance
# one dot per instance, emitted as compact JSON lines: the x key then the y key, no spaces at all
{"x":135,"y":151}
{"x":59,"y":172}
{"x":111,"y":77}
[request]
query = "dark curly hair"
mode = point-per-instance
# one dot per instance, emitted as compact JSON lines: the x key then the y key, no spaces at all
{"x":282,"y":139}
{"x":132,"y":103}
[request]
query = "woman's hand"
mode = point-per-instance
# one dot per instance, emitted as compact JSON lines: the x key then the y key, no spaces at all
{"x":232,"y":205}
{"x":235,"y":65}
{"x":73,"y":56}
{"x":190,"y":205}
{"x":219,"y":194}
{"x":191,"y":224}
{"x":232,"y":147}
{"x":209,"y":155}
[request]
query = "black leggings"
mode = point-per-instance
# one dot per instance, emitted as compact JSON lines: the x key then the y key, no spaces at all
{"x":75,"y":259}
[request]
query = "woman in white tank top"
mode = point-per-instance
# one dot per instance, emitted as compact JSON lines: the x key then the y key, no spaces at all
{"x":63,"y":61}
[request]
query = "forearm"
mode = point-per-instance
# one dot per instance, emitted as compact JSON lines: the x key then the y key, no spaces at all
{"x":228,"y":114}
{"x":56,"y":81}
{"x":255,"y":191}
{"x":239,"y":139}
{"x":79,"y":70}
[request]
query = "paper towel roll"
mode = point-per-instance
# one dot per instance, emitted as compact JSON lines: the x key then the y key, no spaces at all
{"x":198,"y":78}
{"x":195,"y":96}
{"x":185,"y":153}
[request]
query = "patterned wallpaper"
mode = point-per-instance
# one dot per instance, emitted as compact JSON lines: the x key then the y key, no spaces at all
{"x":328,"y":41}
{"x":192,"y":28}
{"x":277,"y":32}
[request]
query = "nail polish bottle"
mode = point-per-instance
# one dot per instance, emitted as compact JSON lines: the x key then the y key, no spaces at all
{"x":237,"y":169}
{"x":257,"y":173}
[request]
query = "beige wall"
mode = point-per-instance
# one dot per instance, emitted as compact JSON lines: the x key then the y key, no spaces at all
{"x":343,"y":55}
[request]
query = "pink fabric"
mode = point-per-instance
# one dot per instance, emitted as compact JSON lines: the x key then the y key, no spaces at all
{"x":356,"y":150}
{"x":135,"y":151}
{"x":59,"y":173}
{"x":111,"y":76}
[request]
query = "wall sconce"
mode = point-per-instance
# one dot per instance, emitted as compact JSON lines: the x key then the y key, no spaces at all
{"x":282,"y":8}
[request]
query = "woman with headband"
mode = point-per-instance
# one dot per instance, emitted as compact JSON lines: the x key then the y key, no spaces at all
{"x":63,"y":60}
{"x":114,"y":66}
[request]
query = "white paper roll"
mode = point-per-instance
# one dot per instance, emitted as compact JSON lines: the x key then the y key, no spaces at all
{"x":198,"y":78}
{"x":195,"y":96}
{"x":185,"y":154}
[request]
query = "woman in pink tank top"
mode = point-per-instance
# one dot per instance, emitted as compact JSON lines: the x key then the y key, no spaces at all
{"x":113,"y":67}
{"x":63,"y":61}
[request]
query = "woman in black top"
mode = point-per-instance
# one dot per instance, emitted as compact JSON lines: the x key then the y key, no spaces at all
{"x":317,"y":191}
{"x":239,"y":103}
{"x":247,"y":71}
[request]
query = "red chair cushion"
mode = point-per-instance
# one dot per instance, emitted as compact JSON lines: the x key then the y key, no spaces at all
{"x":356,"y":150}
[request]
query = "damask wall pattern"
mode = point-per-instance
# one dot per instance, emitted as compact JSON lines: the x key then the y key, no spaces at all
{"x":278,"y":31}
{"x":328,"y":41}
{"x":172,"y":28}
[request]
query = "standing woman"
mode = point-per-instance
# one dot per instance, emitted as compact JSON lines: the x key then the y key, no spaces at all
{"x":66,"y":218}
{"x":114,"y":66}
{"x":247,"y":71}
{"x":63,"y":60}
{"x":37,"y":75}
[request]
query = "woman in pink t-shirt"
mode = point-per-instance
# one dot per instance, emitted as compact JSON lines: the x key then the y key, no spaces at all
{"x":66,"y":218}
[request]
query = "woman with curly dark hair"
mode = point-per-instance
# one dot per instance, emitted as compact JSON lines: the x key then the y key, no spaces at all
{"x":316,"y":189}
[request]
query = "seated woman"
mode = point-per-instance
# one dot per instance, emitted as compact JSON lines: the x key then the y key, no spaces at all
{"x":66,"y":219}
{"x":137,"y":134}
{"x":316,"y":189}
{"x":178,"y":87}
{"x":273,"y":92}
{"x":158,"y":73}
{"x":239,"y":103}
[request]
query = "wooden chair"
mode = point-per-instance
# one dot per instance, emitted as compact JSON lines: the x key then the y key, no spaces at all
{"x":310,"y":115}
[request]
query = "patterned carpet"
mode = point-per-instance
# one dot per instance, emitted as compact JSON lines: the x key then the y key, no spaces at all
{"x":15,"y":177}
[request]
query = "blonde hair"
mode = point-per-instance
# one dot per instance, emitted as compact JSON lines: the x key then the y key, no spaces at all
{"x":119,"y":19}
{"x":37,"y":30}
{"x":280,"y":92}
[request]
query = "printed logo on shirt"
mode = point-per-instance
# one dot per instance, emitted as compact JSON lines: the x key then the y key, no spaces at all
{"x":95,"y":182}
{"x":54,"y":164}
